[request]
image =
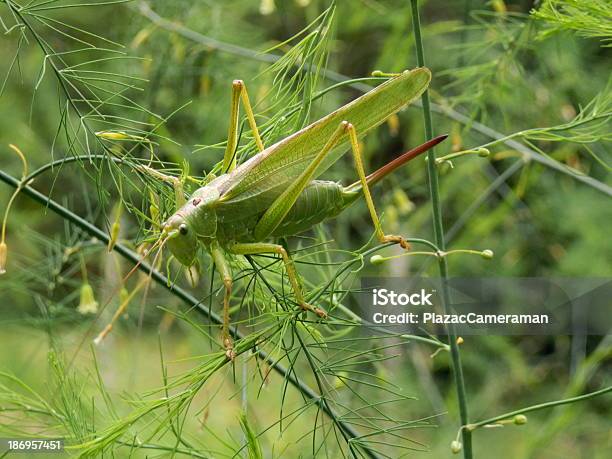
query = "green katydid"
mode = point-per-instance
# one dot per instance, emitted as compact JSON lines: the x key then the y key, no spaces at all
{"x":275,"y":193}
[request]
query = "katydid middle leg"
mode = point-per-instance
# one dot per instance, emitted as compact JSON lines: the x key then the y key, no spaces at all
{"x":278,"y":211}
{"x":226,"y":276}
{"x":255,"y":248}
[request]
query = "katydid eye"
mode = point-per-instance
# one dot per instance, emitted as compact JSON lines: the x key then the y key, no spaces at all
{"x":183,"y":229}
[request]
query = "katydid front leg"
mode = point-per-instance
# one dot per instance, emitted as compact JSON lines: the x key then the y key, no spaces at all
{"x":256,"y":248}
{"x":226,"y":276}
{"x":177,"y":185}
{"x":239,"y":92}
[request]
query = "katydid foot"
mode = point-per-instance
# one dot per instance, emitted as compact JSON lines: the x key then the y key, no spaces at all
{"x":404,"y":244}
{"x":318,"y":311}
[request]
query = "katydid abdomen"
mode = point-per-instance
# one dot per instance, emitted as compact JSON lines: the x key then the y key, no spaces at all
{"x":319,"y":201}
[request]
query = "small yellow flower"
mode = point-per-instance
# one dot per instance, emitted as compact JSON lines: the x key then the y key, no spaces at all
{"x":87,"y":303}
{"x":403,"y":202}
{"x":3,"y":255}
{"x":394,"y":125}
{"x":499,"y":6}
{"x":124,"y":300}
{"x":141,"y":37}
{"x":339,"y":380}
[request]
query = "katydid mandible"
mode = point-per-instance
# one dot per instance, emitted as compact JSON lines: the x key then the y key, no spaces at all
{"x":275,"y":193}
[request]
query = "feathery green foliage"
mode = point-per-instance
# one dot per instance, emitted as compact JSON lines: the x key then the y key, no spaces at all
{"x":588,"y":18}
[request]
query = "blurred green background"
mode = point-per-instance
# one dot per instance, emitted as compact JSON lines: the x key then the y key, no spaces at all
{"x":494,"y":62}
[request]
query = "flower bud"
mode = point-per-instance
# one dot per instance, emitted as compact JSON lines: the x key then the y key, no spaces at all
{"x":487,"y":254}
{"x":87,"y":303}
{"x":3,"y":255}
{"x":456,"y":446}
{"x":123,"y":295}
{"x":377,"y":259}
{"x":339,"y":380}
{"x":112,"y":135}
{"x":499,"y":6}
{"x":483,"y":152}
{"x":520,"y":419}
{"x":114,"y":235}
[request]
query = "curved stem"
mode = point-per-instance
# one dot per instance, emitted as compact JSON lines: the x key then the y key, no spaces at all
{"x":69,"y":159}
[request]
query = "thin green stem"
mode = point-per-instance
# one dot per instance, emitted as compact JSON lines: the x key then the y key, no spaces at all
{"x":436,"y":254}
{"x":482,"y":152}
{"x":539,"y":406}
{"x":432,"y":174}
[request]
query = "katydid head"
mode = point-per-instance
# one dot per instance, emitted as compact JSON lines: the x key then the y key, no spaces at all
{"x":196,"y":220}
{"x":182,"y":239}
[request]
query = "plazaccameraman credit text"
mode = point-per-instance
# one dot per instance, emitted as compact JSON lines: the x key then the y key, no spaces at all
{"x":384,"y":297}
{"x":469,"y":318}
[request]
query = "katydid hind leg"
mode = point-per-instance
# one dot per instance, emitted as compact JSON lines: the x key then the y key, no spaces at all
{"x":363,"y":179}
{"x":256,"y":248}
{"x":239,"y":94}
